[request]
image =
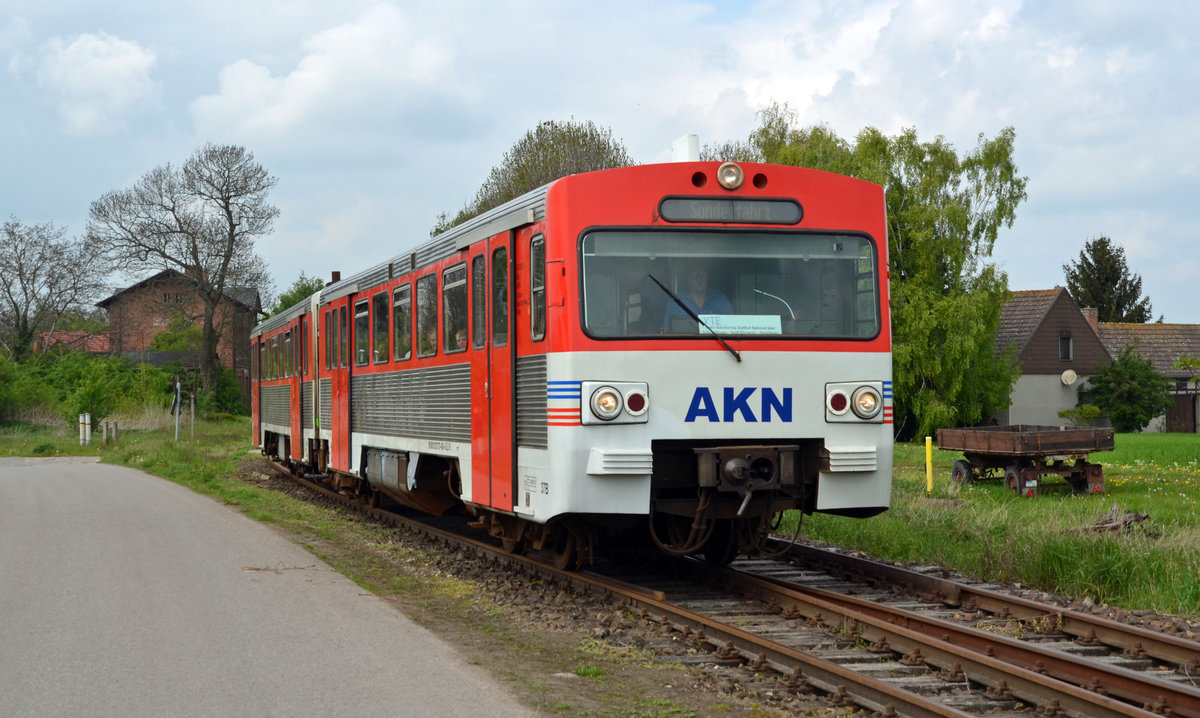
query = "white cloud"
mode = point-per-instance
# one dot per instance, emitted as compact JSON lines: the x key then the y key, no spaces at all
{"x":366,"y":66}
{"x":99,"y":81}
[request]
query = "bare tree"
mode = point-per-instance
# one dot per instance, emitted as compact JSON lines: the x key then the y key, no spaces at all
{"x":201,"y":220}
{"x":42,"y":277}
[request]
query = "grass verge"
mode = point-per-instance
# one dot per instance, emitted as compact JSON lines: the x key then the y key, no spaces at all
{"x":1047,"y":541}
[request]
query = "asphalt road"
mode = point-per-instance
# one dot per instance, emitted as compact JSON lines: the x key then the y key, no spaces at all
{"x":125,"y":595}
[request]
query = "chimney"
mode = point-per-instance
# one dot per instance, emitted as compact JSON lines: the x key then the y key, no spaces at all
{"x":334,"y":278}
{"x":1092,"y":315}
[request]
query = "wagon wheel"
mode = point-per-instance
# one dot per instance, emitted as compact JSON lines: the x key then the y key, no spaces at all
{"x":1012,"y":479}
{"x":962,"y":473}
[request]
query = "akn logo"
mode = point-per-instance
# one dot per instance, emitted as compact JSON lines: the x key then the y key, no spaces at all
{"x":740,"y":403}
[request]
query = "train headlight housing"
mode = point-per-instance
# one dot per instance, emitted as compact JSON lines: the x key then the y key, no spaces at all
{"x":854,"y":402}
{"x":615,"y":402}
{"x":606,"y":403}
{"x":865,"y":402}
{"x":730,"y":175}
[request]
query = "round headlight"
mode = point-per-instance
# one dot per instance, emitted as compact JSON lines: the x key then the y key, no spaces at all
{"x":837,"y":403}
{"x":730,"y":175}
{"x":606,"y":403}
{"x":865,"y":402}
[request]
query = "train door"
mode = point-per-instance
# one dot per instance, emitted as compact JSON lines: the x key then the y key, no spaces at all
{"x":339,"y":375}
{"x":492,"y":419}
{"x":295,"y":340}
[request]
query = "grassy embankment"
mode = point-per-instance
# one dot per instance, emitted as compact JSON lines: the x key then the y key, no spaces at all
{"x":980,"y":529}
{"x":989,"y":532}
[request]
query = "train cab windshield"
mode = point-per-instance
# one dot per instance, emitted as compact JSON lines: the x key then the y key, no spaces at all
{"x":760,"y":284}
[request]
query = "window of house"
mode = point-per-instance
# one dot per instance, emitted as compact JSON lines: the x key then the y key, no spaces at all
{"x":382,"y":324}
{"x":362,"y":333}
{"x":427,"y":315}
{"x":402,"y":322}
{"x":1065,"y":348}
{"x":537,"y":288}
{"x":454,"y":309}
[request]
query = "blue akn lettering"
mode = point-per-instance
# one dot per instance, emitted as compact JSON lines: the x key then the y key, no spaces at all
{"x":737,"y":403}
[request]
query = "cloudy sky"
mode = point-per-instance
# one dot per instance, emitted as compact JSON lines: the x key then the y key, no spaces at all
{"x":377,"y":116}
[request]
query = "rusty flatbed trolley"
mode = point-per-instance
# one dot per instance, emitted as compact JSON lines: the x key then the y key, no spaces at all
{"x":1021,"y":454}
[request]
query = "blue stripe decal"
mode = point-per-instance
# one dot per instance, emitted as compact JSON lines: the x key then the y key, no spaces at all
{"x":563,"y":389}
{"x":887,"y":390}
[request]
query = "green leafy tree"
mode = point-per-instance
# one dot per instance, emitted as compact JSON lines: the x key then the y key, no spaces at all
{"x":181,"y":334}
{"x":1101,"y":278}
{"x":301,"y":289}
{"x":546,"y":153}
{"x":1191,"y":365}
{"x":1130,"y":391}
{"x":945,"y":212}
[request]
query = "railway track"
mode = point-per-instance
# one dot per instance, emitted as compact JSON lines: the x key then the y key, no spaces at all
{"x":877,"y":637}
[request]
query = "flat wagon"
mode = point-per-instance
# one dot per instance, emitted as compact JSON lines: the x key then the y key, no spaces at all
{"x":1021,"y":454}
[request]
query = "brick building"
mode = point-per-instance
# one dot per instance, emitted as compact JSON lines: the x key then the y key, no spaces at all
{"x":139,"y":313}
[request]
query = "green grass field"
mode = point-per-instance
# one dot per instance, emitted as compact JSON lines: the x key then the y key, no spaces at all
{"x":981,"y":529}
{"x":989,"y":532}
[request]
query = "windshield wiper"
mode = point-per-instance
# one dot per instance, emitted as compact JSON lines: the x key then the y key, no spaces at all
{"x":695,"y":316}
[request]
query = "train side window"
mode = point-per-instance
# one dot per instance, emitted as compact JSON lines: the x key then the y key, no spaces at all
{"x":427,"y":315}
{"x":479,"y":301}
{"x":402,"y":322}
{"x":362,"y":333}
{"x":344,"y":333}
{"x":537,"y":288}
{"x":301,"y":348}
{"x":328,"y":338}
{"x":382,"y":327}
{"x":287,"y":353}
{"x":500,"y":297}
{"x":454,"y":309}
{"x":256,"y":370}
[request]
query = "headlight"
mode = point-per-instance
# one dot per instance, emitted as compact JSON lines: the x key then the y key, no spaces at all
{"x":606,"y":403}
{"x":730,"y":175}
{"x":865,"y":402}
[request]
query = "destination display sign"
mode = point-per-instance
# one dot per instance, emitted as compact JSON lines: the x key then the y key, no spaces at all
{"x":721,"y":209}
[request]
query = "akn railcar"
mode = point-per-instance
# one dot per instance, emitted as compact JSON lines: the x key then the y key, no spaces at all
{"x":537,"y":366}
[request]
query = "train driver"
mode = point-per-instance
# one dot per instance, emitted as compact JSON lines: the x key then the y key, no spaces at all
{"x":697,"y":295}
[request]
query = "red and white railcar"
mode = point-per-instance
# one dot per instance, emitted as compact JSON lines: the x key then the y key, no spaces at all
{"x":537,"y":365}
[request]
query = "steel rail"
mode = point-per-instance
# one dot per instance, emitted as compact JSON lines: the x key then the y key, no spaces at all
{"x":832,"y":678}
{"x":1170,"y":649}
{"x":996,"y":661}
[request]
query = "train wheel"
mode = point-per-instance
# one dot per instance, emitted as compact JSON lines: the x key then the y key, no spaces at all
{"x":566,"y":552}
{"x":512,"y":538}
{"x":722,"y":546}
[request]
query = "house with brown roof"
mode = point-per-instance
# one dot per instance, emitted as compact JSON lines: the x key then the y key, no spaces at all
{"x":74,"y":340}
{"x":1058,"y":349}
{"x":1060,"y":346}
{"x":1162,"y":345}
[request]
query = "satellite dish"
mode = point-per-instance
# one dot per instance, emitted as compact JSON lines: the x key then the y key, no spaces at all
{"x":1069,"y":377}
